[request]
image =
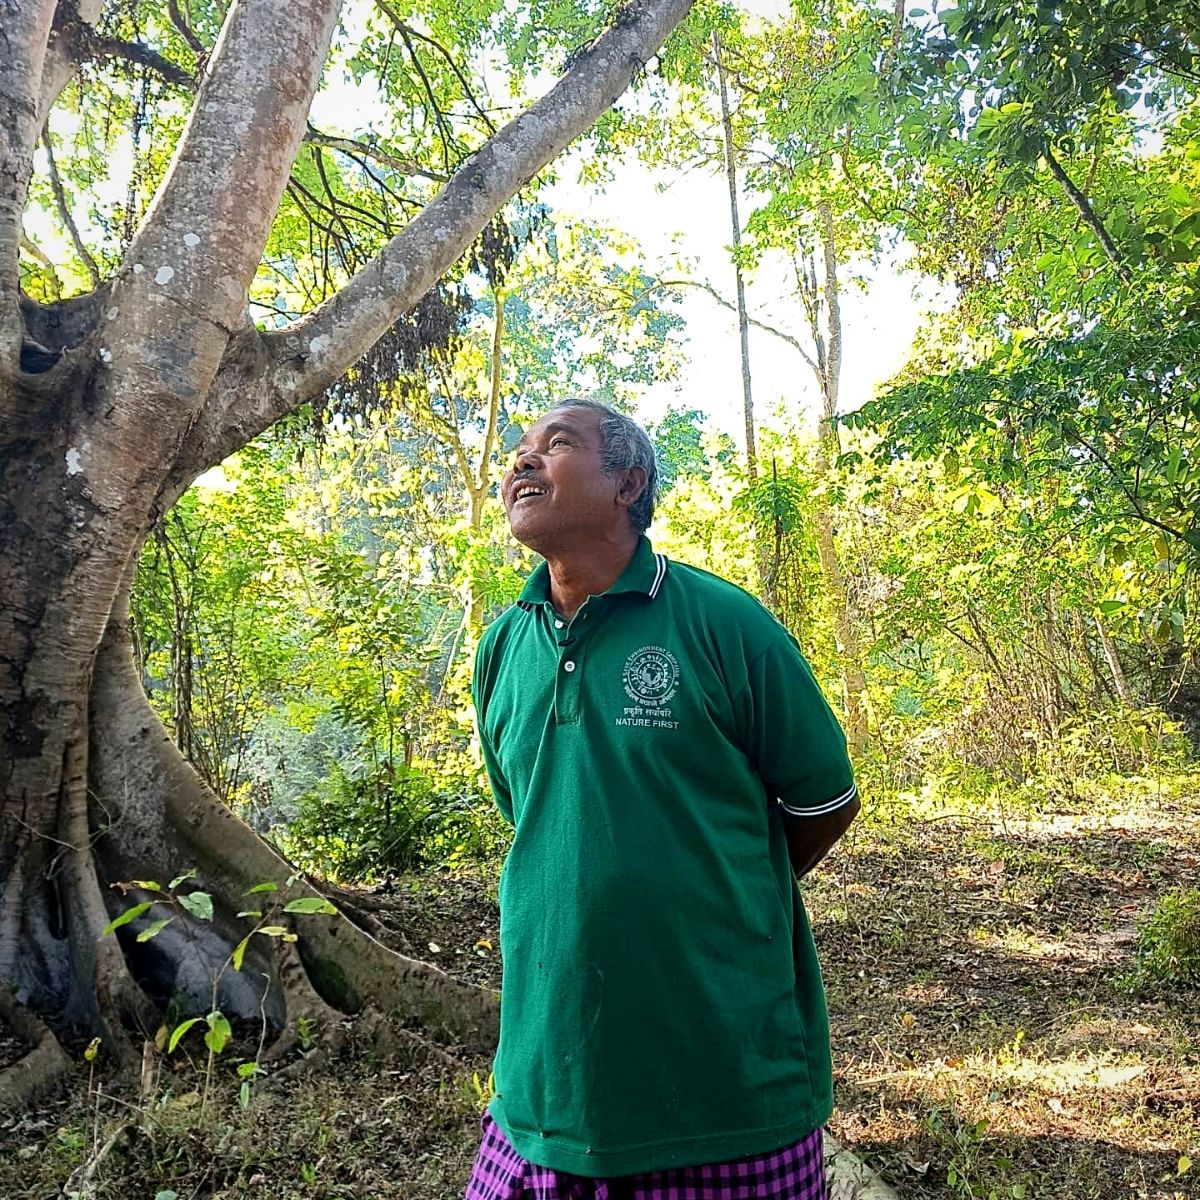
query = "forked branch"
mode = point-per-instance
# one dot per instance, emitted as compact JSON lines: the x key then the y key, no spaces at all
{"x":306,"y":357}
{"x":319,"y":349}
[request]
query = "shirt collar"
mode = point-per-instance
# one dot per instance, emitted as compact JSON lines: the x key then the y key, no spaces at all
{"x":644,"y":573}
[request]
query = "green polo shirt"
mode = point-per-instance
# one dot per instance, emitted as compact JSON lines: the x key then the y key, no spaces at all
{"x":662,"y":1003}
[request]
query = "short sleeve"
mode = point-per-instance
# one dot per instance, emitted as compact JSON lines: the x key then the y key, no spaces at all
{"x":479,"y":688}
{"x":792,"y":736}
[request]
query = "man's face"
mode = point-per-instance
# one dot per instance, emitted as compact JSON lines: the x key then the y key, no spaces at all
{"x":556,"y":492}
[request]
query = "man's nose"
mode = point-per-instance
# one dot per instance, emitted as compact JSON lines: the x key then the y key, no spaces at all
{"x":527,"y":459}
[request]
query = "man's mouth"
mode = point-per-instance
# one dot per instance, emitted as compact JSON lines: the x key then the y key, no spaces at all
{"x":526,"y":491}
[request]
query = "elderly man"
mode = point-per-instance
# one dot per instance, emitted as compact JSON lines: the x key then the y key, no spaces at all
{"x":667,"y":760}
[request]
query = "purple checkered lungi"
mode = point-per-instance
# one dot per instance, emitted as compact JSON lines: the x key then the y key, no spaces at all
{"x":797,"y":1172}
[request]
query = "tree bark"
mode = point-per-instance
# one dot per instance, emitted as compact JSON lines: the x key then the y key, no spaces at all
{"x":735,"y":225}
{"x":1124,"y":691}
{"x":136,"y":389}
{"x":829,"y":355}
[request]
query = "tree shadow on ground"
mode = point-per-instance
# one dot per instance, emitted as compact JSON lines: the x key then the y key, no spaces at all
{"x":980,"y":1020}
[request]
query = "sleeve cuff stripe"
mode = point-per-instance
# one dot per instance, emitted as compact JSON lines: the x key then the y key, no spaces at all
{"x":829,"y":806}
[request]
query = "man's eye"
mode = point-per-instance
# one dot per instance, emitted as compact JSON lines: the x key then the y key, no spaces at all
{"x":559,"y":441}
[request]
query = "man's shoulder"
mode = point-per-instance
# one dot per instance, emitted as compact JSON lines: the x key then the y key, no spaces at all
{"x":718,"y":595}
{"x":500,"y":628}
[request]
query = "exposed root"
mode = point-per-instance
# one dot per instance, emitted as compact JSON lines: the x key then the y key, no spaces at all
{"x":360,"y":907}
{"x":304,"y":1007}
{"x":169,"y":814}
{"x":42,"y":1069}
{"x":388,"y":1040}
{"x":102,"y":975}
{"x":10,"y":904}
{"x":372,"y":1029}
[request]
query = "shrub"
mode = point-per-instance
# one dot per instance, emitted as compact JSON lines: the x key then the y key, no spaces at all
{"x":1168,"y":942}
{"x":390,"y":821}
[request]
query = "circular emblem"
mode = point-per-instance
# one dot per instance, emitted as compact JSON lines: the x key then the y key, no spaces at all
{"x":651,"y":676}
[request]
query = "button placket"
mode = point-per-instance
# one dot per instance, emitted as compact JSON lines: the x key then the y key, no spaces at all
{"x":570,"y":661}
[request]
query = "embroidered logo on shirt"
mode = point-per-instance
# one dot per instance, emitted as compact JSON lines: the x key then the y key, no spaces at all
{"x":651,"y":676}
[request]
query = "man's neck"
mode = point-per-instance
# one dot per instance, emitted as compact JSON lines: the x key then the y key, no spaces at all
{"x":577,"y":574}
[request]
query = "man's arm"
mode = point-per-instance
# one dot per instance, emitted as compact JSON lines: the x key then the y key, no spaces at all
{"x":809,"y":839}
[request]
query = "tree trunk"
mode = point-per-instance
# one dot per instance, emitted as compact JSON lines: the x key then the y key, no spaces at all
{"x":854,"y":680}
{"x":97,"y":794}
{"x":1124,"y":692}
{"x":829,"y":360}
{"x":736,"y":230}
{"x":111,"y":404}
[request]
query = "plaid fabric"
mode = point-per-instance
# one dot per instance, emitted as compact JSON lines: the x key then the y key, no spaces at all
{"x":797,"y":1172}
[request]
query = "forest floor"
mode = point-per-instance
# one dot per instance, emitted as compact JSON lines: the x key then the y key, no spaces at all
{"x":985,"y":1045}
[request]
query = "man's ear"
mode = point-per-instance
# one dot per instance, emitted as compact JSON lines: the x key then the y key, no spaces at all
{"x":633,"y":484}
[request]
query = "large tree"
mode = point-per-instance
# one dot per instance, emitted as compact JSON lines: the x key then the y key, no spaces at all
{"x":111,"y":403}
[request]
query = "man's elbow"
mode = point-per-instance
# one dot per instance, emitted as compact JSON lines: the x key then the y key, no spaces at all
{"x":847,"y":814}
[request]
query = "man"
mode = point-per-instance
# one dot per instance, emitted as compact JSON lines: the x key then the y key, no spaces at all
{"x":661,"y":748}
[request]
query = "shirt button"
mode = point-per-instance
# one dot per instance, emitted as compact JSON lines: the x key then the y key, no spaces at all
{"x":568,"y":666}
{"x":558,"y":624}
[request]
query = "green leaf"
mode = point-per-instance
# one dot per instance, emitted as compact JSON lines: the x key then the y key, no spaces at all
{"x":1173,"y":462}
{"x":310,"y":904}
{"x":1108,"y":607}
{"x":239,"y":952}
{"x":167,"y":1195}
{"x":199,"y":904}
{"x":268,"y":886}
{"x":191,"y":874}
{"x":219,"y":1031}
{"x":180,"y":1030}
{"x":130,"y":914}
{"x":251,"y":912}
{"x":147,"y":885}
{"x":154,"y":929}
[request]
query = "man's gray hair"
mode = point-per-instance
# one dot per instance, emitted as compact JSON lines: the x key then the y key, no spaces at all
{"x":624,"y":444}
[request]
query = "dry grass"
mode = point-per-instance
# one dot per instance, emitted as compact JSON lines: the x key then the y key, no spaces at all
{"x":984,"y":1044}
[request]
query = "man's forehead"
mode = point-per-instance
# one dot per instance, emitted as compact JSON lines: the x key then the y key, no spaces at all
{"x":567,"y":420}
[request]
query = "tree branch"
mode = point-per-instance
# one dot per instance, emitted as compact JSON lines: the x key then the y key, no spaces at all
{"x":316,"y":351}
{"x":792,"y":341}
{"x":833,"y":318}
{"x":185,"y":30}
{"x":73,"y":24}
{"x":24,"y":34}
{"x":64,"y":210}
{"x":143,"y":56}
{"x":407,"y":31}
{"x":36,"y":252}
{"x":450,"y":427}
{"x":184,"y":282}
{"x":340,"y":202}
{"x":1088,"y":213}
{"x":443,"y":125}
{"x":402,"y":166}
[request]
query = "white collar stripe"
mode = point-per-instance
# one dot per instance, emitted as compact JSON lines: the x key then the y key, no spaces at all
{"x":659,"y":574}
